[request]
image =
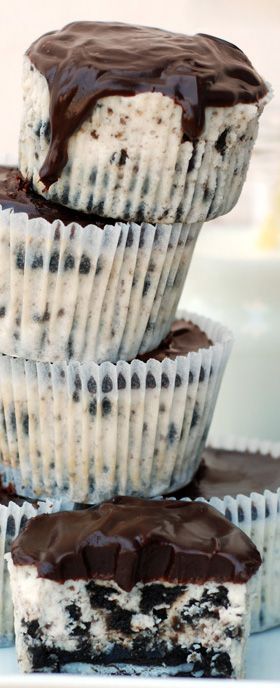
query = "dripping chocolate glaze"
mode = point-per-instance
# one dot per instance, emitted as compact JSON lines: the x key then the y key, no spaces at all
{"x":18,"y":195}
{"x":223,"y":472}
{"x":129,"y":540}
{"x":183,"y":338}
{"x":86,"y":61}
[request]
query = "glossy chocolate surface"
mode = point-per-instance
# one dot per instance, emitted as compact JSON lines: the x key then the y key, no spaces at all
{"x":8,"y":494}
{"x":86,"y":61}
{"x":183,"y":338}
{"x":129,"y":540}
{"x":16,"y":194}
{"x":223,"y":472}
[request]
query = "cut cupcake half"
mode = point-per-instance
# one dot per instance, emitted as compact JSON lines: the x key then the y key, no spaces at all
{"x":133,"y":587}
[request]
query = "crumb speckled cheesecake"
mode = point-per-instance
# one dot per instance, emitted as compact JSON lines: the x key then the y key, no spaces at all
{"x":138,"y":123}
{"x":241,"y":478}
{"x":76,"y":286}
{"x":14,"y":512}
{"x":133,"y":587}
{"x":86,"y":432}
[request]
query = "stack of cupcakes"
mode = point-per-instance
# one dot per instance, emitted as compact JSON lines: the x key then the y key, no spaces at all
{"x":131,"y":138}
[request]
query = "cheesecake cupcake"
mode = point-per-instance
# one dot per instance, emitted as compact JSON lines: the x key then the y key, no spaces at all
{"x":138,"y":123}
{"x":86,"y":432}
{"x":75,"y":286}
{"x":133,"y":587}
{"x":241,"y":478}
{"x":14,"y":513}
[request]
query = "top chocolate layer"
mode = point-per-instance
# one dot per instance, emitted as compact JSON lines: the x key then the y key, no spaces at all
{"x":223,"y":472}
{"x":86,"y":61}
{"x":183,"y":338}
{"x":129,"y":540}
{"x":16,"y":194}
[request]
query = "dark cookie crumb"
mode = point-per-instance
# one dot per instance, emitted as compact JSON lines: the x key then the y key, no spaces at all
{"x":146,"y":287}
{"x":11,"y":527}
{"x":201,"y":374}
{"x":241,"y":515}
{"x":74,"y":611}
{"x":25,"y":423}
{"x":172,"y":433}
{"x":221,"y":144}
{"x":123,"y":157}
{"x":195,"y":418}
{"x":37,"y":262}
{"x":121,"y":381}
{"x":54,"y":261}
{"x":92,"y":407}
{"x":164,"y":381}
{"x":91,"y":385}
{"x":33,"y":628}
{"x":69,"y":262}
{"x":254,"y":512}
{"x":106,"y":407}
{"x":20,"y":258}
{"x":107,"y":384}
{"x":135,"y":382}
{"x":85,"y":265}
{"x":120,"y":620}
{"x":155,"y":594}
{"x":150,"y":381}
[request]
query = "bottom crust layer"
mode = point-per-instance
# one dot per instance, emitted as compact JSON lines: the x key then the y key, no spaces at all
{"x":197,"y":661}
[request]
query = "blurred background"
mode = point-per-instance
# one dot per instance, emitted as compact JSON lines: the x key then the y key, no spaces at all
{"x":235,"y":273}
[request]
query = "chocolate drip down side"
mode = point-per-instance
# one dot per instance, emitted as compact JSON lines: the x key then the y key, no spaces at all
{"x":86,"y":61}
{"x":131,"y":540}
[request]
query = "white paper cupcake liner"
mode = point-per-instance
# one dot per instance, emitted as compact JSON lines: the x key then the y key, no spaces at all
{"x":129,"y":159}
{"x":89,"y":293}
{"x":12,"y":519}
{"x":258,"y":515}
{"x":86,"y":432}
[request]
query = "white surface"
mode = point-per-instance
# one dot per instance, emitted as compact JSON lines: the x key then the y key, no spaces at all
{"x":263,"y":663}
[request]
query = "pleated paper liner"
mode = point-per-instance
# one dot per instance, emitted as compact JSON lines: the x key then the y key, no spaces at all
{"x":86,"y":432}
{"x":89,"y":293}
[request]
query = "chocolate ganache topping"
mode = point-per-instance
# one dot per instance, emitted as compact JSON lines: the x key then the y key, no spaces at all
{"x":86,"y":61}
{"x":131,"y":540}
{"x":183,"y":338}
{"x":8,"y":494}
{"x":223,"y":472}
{"x":17,"y":195}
